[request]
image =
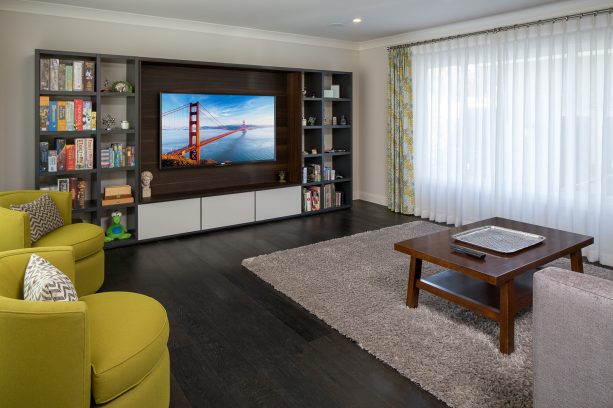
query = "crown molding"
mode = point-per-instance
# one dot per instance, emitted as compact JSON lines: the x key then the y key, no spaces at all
{"x":85,"y":13}
{"x":514,"y":17}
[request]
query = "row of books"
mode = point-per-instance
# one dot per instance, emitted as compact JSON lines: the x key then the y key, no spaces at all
{"x":311,"y":173}
{"x":313,"y":199}
{"x":75,"y":186}
{"x":329,"y":173}
{"x":60,"y":116}
{"x":77,"y":156}
{"x":117,"y":155}
{"x":60,"y":75}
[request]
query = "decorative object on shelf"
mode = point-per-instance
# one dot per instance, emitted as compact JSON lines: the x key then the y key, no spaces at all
{"x":108,"y":122}
{"x":125,"y":125}
{"x":116,"y":195}
{"x":106,"y":87}
{"x":304,"y":121}
{"x":122,"y":87}
{"x":311,"y":121}
{"x":145,"y":181}
{"x":116,"y":230}
{"x":304,"y":92}
{"x":63,"y":184}
{"x":336,"y":91}
{"x":334,"y":121}
{"x":314,"y":151}
{"x":328,"y":93}
{"x":282,"y":176}
{"x":343,"y":120}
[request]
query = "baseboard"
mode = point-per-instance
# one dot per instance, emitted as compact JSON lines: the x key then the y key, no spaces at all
{"x":373,"y":198}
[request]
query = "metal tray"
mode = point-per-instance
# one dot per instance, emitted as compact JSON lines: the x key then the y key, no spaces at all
{"x":499,"y":239}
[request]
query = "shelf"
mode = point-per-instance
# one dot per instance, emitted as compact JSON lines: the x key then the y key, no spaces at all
{"x":311,"y":127}
{"x":325,"y":210}
{"x":67,"y":93}
{"x":67,"y":172}
{"x":337,"y":99}
{"x":116,"y":206}
{"x":306,"y":156}
{"x":112,"y":169}
{"x":90,"y":206}
{"x":121,"y":242}
{"x":337,"y":153}
{"x":117,"y":94}
{"x":116,"y":131}
{"x":337,"y":126}
{"x":343,"y":180}
{"x":311,"y":183}
{"x":308,"y":99}
{"x":69,"y":133}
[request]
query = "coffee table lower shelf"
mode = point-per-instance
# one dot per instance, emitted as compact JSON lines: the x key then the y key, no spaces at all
{"x":476,"y":295}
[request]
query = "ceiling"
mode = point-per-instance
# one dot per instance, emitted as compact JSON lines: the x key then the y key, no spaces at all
{"x":319,"y":18}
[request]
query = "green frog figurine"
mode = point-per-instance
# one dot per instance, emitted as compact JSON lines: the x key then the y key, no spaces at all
{"x":116,"y":230}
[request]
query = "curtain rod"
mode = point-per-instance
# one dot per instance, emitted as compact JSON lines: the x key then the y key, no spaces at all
{"x":505,"y":28}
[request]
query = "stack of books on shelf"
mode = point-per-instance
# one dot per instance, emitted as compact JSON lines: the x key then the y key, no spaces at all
{"x":64,"y":115}
{"x":75,"y":186}
{"x":311,"y":199}
{"x":61,"y":75}
{"x":117,"y":156}
{"x":67,"y":157}
{"x":311,"y":173}
{"x":332,"y":198}
{"x":329,"y":174}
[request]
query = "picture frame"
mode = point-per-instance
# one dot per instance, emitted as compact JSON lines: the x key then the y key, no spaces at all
{"x":63,"y":184}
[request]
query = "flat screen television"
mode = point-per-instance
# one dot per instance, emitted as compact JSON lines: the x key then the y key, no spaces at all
{"x":215,"y":129}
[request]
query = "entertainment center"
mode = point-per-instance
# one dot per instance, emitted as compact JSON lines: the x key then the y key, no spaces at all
{"x":216,"y":166}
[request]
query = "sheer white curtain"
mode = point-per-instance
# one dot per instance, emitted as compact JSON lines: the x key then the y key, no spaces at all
{"x":519,"y":124}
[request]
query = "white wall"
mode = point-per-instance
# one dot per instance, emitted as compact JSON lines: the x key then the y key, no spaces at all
{"x":373,"y":84}
{"x":21,"y":33}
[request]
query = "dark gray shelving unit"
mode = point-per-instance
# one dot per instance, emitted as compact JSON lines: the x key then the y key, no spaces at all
{"x":333,"y":143}
{"x":122,"y":106}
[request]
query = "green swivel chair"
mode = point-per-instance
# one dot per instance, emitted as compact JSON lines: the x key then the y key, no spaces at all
{"x":87,"y":240}
{"x":104,"y":350}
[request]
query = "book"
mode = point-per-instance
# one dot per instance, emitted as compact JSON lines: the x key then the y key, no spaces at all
{"x":93,"y":120}
{"x":89,"y":76}
{"x":54,"y":67}
{"x":78,"y":114}
{"x":43,"y":157}
{"x":44,"y":74}
{"x":61,"y":77}
{"x":52,"y":161}
{"x":105,"y":158}
{"x":81,"y":192}
{"x":68,"y":85}
{"x":77,"y":76}
{"x":69,"y":157}
{"x":70,"y":115}
{"x":53,"y":116}
{"x":87,"y":115}
{"x":44,"y":113}
{"x":315,"y":198}
{"x":89,"y":153}
{"x":61,"y":115}
{"x":60,"y":144}
{"x":79,"y":144}
{"x":72,"y":189}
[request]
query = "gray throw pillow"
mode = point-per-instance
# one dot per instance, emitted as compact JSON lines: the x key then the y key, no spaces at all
{"x":44,"y":216}
{"x":43,"y":281}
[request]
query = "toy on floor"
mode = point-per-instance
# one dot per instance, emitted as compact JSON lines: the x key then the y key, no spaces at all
{"x":116,"y":230}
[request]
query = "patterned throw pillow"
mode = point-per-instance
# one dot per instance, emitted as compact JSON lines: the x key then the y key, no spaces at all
{"x":44,"y":281}
{"x":44,"y":216}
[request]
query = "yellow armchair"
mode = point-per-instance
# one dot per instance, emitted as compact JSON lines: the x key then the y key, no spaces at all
{"x":105,"y":350}
{"x":87,"y":240}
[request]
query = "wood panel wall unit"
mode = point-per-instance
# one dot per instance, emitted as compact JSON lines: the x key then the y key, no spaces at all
{"x":159,"y":76}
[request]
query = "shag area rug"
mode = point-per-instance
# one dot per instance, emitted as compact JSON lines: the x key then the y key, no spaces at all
{"x":357,"y":284}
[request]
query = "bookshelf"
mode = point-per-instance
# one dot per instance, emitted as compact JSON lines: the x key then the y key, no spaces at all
{"x":325,"y":143}
{"x":121,"y":106}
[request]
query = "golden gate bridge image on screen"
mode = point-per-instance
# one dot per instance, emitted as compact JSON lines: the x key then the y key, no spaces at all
{"x":195,"y":143}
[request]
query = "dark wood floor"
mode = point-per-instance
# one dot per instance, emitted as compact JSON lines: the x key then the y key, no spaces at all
{"x":236,"y":342}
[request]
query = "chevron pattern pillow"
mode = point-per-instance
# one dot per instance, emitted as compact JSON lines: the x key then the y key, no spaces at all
{"x":44,"y":216}
{"x":43,"y":281}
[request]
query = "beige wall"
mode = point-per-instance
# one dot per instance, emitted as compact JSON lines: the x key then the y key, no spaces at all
{"x":22,"y":33}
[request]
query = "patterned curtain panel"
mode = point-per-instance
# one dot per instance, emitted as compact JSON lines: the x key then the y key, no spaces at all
{"x":400,"y":187}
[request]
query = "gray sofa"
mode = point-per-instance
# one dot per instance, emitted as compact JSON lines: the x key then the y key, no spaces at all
{"x":573,"y":340}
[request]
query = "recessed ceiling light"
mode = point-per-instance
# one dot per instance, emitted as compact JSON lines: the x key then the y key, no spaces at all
{"x":357,"y":20}
{"x":336,"y":24}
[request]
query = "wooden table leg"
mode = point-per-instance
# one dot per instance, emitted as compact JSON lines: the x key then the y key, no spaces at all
{"x":576,"y":261}
{"x":507,"y":317}
{"x":414,"y":276}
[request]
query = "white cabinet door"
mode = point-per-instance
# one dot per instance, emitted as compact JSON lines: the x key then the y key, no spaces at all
{"x":168,"y":218}
{"x":226,"y":210}
{"x":277,"y":202}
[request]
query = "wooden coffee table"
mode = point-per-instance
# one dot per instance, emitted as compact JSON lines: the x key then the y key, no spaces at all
{"x":496,"y":286}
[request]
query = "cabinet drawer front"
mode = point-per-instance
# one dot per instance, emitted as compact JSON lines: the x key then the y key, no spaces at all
{"x":168,"y":218}
{"x":226,"y":210}
{"x":278,"y":202}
